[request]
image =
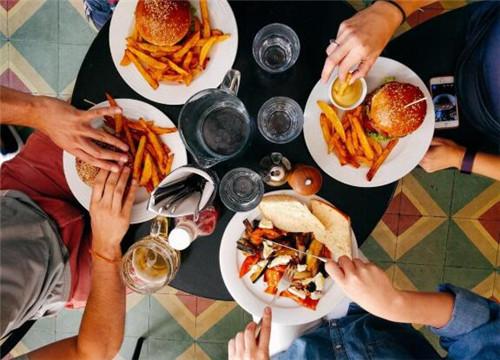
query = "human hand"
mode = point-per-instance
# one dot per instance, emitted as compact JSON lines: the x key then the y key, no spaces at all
{"x":360,"y":40}
{"x":442,"y":154}
{"x":71,"y":130}
{"x":244,"y":346}
{"x":110,"y":210}
{"x":365,"y":284}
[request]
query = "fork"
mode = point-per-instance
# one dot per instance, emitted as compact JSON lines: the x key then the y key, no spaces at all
{"x":283,"y":284}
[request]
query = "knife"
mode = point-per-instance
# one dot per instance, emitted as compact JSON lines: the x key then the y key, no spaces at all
{"x":320,"y":258}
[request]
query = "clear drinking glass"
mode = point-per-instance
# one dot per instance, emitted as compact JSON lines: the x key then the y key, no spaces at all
{"x":151,"y":263}
{"x":241,"y":189}
{"x":280,"y":119}
{"x":276,"y":48}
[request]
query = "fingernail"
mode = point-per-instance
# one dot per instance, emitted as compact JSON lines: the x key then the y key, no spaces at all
{"x":115,"y":169}
{"x":267,"y":310}
{"x":124,"y":159}
{"x":117,"y":110}
{"x":134,"y":182}
{"x":125,"y":147}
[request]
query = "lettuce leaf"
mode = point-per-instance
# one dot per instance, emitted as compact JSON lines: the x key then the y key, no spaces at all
{"x":378,"y":137}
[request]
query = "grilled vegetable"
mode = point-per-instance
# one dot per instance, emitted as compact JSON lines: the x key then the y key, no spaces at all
{"x":247,"y":247}
{"x":257,"y":274}
{"x":272,"y":277}
{"x":247,"y":264}
{"x":311,"y":262}
{"x":307,"y":302}
{"x":302,"y":275}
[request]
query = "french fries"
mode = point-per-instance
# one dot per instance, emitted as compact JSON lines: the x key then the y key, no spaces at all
{"x":332,"y":116}
{"x":152,"y":158}
{"x":376,"y":164}
{"x":205,"y":19}
{"x":180,"y":63}
{"x":348,"y":140}
{"x":117,"y":117}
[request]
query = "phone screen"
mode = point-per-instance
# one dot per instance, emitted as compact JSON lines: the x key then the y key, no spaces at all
{"x":445,"y":102}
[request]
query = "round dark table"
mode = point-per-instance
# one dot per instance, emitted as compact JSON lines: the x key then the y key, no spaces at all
{"x":315,"y":23}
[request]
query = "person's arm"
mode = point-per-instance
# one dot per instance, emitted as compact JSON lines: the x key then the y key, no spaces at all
{"x":361,"y":39}
{"x":370,"y":287}
{"x":103,"y":322}
{"x":68,"y":127}
{"x":444,"y":154}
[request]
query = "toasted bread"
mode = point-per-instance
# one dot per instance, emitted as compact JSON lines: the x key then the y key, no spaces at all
{"x":337,"y":234}
{"x":289,"y":214}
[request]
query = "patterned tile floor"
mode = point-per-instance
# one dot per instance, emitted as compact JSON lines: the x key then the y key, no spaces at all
{"x":439,"y":227}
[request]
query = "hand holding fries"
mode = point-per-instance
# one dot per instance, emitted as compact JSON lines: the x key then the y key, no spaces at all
{"x":152,"y":158}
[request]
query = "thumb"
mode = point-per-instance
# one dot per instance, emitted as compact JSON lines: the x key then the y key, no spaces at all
{"x":334,"y":270}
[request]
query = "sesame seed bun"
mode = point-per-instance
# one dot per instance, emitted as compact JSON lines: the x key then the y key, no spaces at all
{"x":387,"y":113}
{"x":163,"y":22}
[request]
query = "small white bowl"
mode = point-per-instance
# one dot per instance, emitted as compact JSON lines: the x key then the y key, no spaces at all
{"x":364,"y":90}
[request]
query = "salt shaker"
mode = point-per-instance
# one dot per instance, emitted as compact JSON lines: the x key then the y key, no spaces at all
{"x":187,"y":228}
{"x":274,"y":169}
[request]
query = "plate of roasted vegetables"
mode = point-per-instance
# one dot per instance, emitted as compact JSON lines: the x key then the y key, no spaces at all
{"x":286,"y":231}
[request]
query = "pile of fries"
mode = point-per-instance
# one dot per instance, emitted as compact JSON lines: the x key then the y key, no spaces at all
{"x":152,"y":158}
{"x":348,"y":140}
{"x":180,"y":63}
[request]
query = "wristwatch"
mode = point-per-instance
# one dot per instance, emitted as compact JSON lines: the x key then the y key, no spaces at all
{"x":468,"y":161}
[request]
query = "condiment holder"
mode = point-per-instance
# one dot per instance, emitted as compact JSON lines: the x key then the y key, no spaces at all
{"x":185,"y":191}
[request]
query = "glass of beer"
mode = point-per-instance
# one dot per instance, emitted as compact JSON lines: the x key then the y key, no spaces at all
{"x":151,"y":263}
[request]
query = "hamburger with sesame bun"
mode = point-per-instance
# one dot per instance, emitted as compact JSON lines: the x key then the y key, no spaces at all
{"x":88,"y":172}
{"x":163,"y":22}
{"x":387,"y":114}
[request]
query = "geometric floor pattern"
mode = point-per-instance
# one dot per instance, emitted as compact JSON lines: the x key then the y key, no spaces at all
{"x":442,"y":227}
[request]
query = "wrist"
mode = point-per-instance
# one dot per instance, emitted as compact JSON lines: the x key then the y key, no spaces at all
{"x":390,"y":12}
{"x":107,"y":249}
{"x":38,"y":107}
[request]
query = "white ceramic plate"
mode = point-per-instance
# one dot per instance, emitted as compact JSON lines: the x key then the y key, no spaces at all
{"x":252,"y":297}
{"x":222,"y":55}
{"x":402,"y":159}
{"x":133,"y":109}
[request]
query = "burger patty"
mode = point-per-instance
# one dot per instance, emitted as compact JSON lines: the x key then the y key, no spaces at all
{"x":387,"y":113}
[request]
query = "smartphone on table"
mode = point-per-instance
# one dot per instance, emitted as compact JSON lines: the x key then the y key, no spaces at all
{"x":444,"y":98}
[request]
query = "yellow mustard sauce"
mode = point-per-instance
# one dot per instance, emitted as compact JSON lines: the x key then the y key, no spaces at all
{"x":351,"y":94}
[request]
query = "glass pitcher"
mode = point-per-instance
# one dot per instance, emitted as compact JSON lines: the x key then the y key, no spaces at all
{"x":214,"y":123}
{"x":151,"y":263}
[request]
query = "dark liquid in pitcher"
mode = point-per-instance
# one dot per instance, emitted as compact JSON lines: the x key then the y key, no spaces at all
{"x":225,"y":131}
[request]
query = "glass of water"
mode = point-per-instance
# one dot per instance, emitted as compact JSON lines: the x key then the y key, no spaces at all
{"x":276,"y":48}
{"x":280,"y":120}
{"x":241,"y":189}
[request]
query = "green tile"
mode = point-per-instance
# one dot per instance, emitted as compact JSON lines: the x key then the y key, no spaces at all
{"x":433,"y":339}
{"x":136,"y":321}
{"x":73,"y":28}
{"x":438,"y":185}
{"x":429,"y":250}
{"x":128,"y":347}
{"x":216,"y":351}
{"x":43,"y":57}
{"x":373,"y":251}
{"x":43,"y":332}
{"x":160,"y":349}
{"x":226,"y":328}
{"x":466,"y":188}
{"x":465,"y":277}
{"x":424,"y":277}
{"x":70,"y":60}
{"x":68,"y":321}
{"x":460,"y":250}
{"x":162,"y":325}
{"x":41,"y":26}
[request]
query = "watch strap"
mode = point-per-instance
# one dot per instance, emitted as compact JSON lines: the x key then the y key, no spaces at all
{"x":468,"y":161}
